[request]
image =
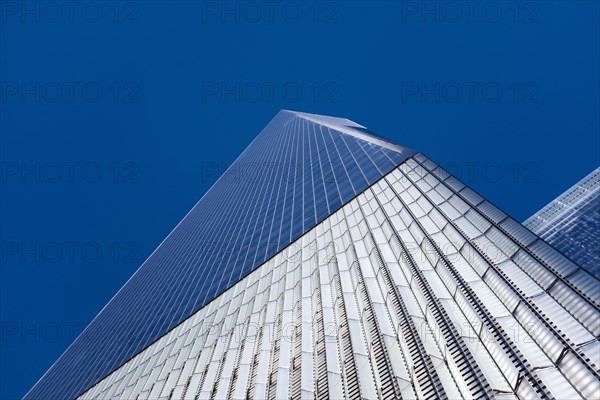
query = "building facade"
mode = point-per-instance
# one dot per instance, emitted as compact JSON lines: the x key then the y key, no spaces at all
{"x":571,"y":223}
{"x":348,"y":267}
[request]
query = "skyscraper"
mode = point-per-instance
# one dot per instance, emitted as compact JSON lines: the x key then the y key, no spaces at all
{"x":571,"y":223}
{"x":327,"y":262}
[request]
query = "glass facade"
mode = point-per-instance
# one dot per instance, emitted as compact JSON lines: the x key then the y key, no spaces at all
{"x":298,"y":170}
{"x":571,"y":223}
{"x":418,"y":288}
{"x":329,"y":263}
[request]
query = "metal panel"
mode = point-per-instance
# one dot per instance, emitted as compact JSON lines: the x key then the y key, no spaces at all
{"x":298,"y":170}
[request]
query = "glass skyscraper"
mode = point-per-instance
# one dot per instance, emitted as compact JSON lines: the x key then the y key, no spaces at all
{"x":327,"y":262}
{"x":571,"y":223}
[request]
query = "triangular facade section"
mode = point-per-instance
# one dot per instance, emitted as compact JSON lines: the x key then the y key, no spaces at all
{"x":418,"y":288}
{"x":298,"y":171}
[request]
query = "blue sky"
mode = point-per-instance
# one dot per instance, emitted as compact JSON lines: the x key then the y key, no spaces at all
{"x":116,"y":117}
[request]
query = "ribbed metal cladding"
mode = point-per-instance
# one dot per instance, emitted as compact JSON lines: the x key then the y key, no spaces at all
{"x":417,"y":288}
{"x":297,"y":171}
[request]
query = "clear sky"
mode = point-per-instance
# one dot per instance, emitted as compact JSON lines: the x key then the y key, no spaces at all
{"x":116,"y":117}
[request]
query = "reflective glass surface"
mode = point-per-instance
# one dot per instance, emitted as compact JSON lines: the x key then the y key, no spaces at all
{"x":298,"y":170}
{"x":570,"y":223}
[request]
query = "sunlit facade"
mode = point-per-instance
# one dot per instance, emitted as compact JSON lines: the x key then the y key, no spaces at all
{"x":350,"y":267}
